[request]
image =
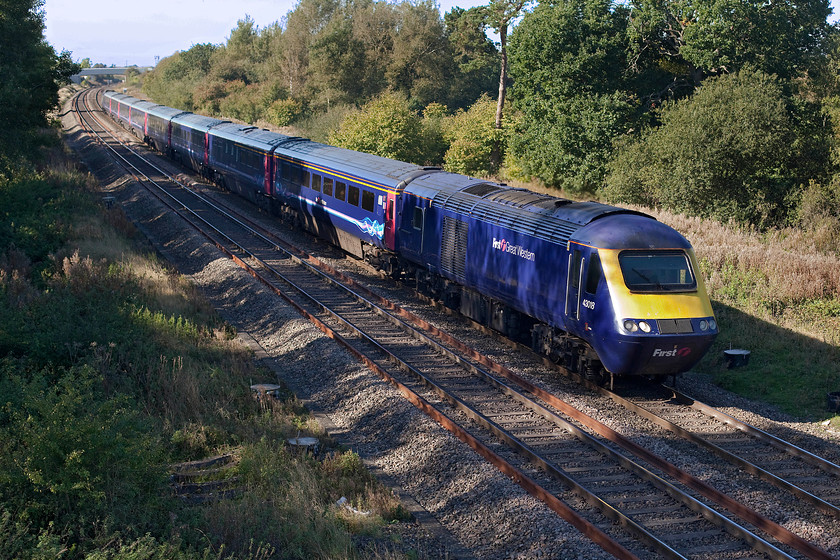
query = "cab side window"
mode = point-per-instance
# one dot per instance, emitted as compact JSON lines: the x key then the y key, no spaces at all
{"x":593,"y":276}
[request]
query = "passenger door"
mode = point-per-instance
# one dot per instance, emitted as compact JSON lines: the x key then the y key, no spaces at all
{"x":390,"y":217}
{"x":573,"y":282}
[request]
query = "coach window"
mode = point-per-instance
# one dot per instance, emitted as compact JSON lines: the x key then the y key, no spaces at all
{"x":306,"y":176}
{"x":353,"y":195}
{"x":367,"y":201}
{"x":340,"y":190}
{"x":286,"y":169}
{"x":328,"y":184}
{"x":316,"y":182}
{"x":417,"y":222}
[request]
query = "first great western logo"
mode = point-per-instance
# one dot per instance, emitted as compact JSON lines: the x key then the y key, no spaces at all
{"x":518,"y":250}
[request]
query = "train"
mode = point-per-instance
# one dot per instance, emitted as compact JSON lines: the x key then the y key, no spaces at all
{"x":602,"y":290}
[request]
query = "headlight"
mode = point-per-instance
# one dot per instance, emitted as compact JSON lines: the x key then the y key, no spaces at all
{"x":644,"y":326}
{"x":630,"y":326}
{"x":704,"y":325}
{"x":712,"y":324}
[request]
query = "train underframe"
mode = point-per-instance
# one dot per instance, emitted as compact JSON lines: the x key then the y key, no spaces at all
{"x":555,"y":344}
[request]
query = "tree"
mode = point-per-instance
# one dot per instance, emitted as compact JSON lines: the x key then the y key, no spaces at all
{"x":693,"y":39}
{"x":499,"y":15}
{"x":421,"y":64}
{"x":476,"y":57}
{"x":734,"y":150}
{"x":31,"y":72}
{"x":474,"y":140}
{"x":301,"y":27}
{"x":568,"y":61}
{"x":386,"y":127}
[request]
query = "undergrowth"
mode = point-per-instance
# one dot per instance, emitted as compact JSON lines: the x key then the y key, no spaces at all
{"x":113,"y":367}
{"x":776,"y":294}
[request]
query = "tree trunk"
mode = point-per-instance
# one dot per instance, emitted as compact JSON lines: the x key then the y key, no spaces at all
{"x":500,"y":105}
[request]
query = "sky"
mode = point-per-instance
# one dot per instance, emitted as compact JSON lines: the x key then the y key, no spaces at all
{"x":121,"y":33}
{"x":128,"y":33}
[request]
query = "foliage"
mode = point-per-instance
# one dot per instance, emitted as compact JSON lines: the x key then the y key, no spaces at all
{"x":175,"y":78}
{"x":474,"y":55}
{"x":500,"y":15}
{"x":283,"y":112}
{"x":729,"y":152}
{"x":818,"y":213}
{"x":475,"y":144}
{"x":327,"y":54}
{"x":31,"y":74}
{"x":386,"y":127}
{"x":567,"y":60}
{"x":74,"y":457}
{"x":698,"y":38}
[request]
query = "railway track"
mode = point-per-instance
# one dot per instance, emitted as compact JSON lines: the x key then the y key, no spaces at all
{"x":483,"y":403}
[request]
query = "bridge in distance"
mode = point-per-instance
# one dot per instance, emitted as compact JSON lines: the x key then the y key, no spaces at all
{"x":120,"y":71}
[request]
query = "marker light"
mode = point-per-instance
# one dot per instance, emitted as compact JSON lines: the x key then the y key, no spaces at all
{"x":704,"y":325}
{"x":644,"y":326}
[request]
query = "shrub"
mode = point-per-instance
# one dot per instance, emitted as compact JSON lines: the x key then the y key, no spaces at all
{"x":818,"y":213}
{"x":476,"y":146}
{"x":284,"y":112}
{"x":386,"y":127}
{"x":731,"y":151}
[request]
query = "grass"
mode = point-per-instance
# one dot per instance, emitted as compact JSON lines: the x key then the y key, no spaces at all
{"x":776,"y":294}
{"x":112,"y":367}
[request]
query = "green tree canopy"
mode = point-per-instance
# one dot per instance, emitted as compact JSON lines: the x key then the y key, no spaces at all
{"x":31,"y":71}
{"x":386,"y":127}
{"x":474,"y":140}
{"x":569,"y":68}
{"x":476,"y":58}
{"x":692,"y":39}
{"x":731,"y":151}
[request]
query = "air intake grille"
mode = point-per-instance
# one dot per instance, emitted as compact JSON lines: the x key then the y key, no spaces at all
{"x":453,"y":250}
{"x":674,"y":326}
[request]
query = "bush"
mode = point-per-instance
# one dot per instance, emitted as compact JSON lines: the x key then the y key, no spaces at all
{"x":284,"y":112}
{"x":731,"y":151}
{"x":818,"y":213}
{"x":74,"y":457}
{"x":476,"y":146}
{"x":386,"y":127}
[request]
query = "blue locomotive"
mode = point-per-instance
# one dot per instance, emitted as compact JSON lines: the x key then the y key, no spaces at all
{"x":603,"y":290}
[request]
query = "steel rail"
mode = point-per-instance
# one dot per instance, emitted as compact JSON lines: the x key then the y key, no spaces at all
{"x":775,"y":530}
{"x":555,"y":504}
{"x":747,"y":466}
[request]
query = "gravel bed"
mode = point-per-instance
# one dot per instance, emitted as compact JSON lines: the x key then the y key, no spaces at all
{"x":464,"y":507}
{"x":467,"y":508}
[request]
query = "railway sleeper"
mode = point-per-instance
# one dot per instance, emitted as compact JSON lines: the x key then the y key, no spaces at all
{"x":571,"y":352}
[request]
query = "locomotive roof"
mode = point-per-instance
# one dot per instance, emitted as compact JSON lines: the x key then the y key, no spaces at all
{"x":631,"y":231}
{"x":377,"y":169}
{"x":247,"y":135}
{"x":538,"y":215}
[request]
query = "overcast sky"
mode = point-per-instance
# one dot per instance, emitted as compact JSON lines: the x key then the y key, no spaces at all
{"x":115,"y":32}
{"x":121,"y":33}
